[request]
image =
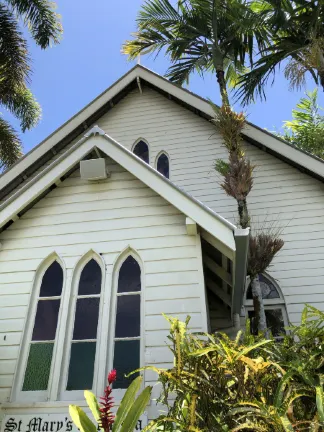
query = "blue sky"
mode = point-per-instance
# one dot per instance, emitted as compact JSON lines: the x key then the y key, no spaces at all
{"x":88,"y":60}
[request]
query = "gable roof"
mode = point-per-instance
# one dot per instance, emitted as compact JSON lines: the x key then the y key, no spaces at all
{"x":137,"y":77}
{"x":223,"y":235}
{"x":216,"y":225}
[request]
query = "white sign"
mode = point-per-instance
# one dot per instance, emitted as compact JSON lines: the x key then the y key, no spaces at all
{"x":48,"y":423}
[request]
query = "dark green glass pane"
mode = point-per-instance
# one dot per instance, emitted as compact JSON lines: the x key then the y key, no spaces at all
{"x":90,"y":280}
{"x":126,"y":359}
{"x":52,"y":281}
{"x":46,"y":320}
{"x":81,"y":366}
{"x":38,"y":367}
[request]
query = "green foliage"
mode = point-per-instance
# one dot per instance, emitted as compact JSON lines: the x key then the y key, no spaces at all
{"x":306,"y":130}
{"x":198,"y":36}
{"x":296,"y":33}
{"x":250,"y":383}
{"x":128,"y":413}
{"x":44,"y":25}
{"x":222,"y":167}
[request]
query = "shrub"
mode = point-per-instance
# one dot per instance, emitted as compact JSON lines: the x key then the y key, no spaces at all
{"x":128,"y":413}
{"x":250,"y":383}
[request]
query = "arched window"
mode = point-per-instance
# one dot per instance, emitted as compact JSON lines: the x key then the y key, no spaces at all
{"x":83,"y":336}
{"x":274,"y":305}
{"x":142,"y":151}
{"x":162,"y":165}
{"x":127,"y":337}
{"x":43,"y":334}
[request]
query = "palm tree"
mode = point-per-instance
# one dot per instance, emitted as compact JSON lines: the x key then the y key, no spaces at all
{"x":210,"y":36}
{"x":199,"y":36}
{"x":296,"y":31}
{"x":45,"y":28}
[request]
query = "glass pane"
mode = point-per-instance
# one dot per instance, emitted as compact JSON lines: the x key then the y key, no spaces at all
{"x":274,"y":319}
{"x":253,"y":323}
{"x":46,"y":320}
{"x":141,"y":150}
{"x":126,"y":359}
{"x":90,"y":280}
{"x":81,"y":366}
{"x":52,"y":281}
{"x":269,"y":291}
{"x":128,"y":316}
{"x":129,"y":276}
{"x":163,"y":165}
{"x":86,"y":318}
{"x":38,"y":367}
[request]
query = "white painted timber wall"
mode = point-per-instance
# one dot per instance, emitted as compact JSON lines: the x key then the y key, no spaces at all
{"x":280,"y":193}
{"x":108,"y":217}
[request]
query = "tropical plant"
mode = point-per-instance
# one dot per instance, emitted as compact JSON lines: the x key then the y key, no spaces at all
{"x":199,"y":36}
{"x":210,"y":36}
{"x":15,"y":66}
{"x":250,"y":383}
{"x":296,"y":31}
{"x":298,"y":403}
{"x":128,"y":413}
{"x":306,"y":130}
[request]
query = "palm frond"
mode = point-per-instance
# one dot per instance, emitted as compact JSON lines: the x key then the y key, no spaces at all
{"x":14,"y":60}
{"x":180,"y":71}
{"x":22,"y":104}
{"x":41,"y":18}
{"x":198,"y":35}
{"x":10,"y":146}
{"x":253,"y":84}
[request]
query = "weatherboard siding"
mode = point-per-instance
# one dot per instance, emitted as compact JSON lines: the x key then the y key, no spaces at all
{"x":282,"y":196}
{"x":107,"y":217}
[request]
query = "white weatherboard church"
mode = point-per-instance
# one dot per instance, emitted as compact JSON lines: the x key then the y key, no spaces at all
{"x":118,"y":217}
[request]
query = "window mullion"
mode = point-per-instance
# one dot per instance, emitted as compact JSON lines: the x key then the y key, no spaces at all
{"x":60,"y":336}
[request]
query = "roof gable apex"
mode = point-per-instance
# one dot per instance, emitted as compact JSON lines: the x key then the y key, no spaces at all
{"x":217,"y":226}
{"x":76,"y":125}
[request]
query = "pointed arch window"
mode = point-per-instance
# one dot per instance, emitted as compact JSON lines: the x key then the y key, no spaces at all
{"x":274,"y":305}
{"x":127,"y":335}
{"x":142,"y":151}
{"x":43,"y":334}
{"x":83,"y":338}
{"x":163,"y":165}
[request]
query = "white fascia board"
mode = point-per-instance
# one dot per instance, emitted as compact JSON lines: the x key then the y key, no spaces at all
{"x":266,"y":139}
{"x":51,"y":175}
{"x":213,"y":223}
{"x":184,"y":95}
{"x":312,"y":163}
{"x":68,"y":127}
{"x":217,"y":226}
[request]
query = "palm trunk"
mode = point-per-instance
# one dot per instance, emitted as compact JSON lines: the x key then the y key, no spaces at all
{"x":222,"y":86}
{"x":243,"y":213}
{"x":258,"y":304}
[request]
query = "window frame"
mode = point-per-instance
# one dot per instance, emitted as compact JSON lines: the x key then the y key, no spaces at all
{"x":119,"y":393}
{"x":269,"y":304}
{"x":42,"y":395}
{"x":63,"y":393}
{"x":58,"y":377}
{"x":163,"y":152}
{"x":148,"y":149}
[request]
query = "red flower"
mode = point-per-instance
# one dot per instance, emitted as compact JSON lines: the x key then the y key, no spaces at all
{"x":112,"y":376}
{"x":107,"y":402}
